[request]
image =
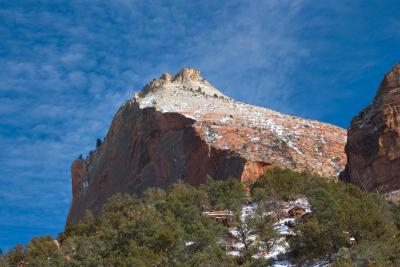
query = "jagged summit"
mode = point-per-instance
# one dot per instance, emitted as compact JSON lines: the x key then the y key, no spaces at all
{"x":187,"y":79}
{"x":389,"y":87}
{"x":388,"y":94}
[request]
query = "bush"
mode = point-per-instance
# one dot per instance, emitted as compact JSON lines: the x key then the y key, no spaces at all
{"x":40,"y":251}
{"x":224,"y":194}
{"x":153,"y":230}
{"x":98,"y":142}
{"x":14,"y":256}
{"x":284,"y":184}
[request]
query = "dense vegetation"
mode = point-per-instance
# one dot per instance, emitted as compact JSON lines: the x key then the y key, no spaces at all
{"x":168,"y":228}
{"x":340,"y":211}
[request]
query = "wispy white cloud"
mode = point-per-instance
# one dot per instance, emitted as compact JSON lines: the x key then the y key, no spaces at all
{"x":252,"y":53}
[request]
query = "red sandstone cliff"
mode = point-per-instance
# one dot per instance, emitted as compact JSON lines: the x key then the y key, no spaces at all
{"x":181,"y":127}
{"x":373,"y":147}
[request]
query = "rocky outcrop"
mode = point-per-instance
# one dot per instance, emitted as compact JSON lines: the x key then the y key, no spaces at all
{"x":180,"y":127}
{"x":373,"y":147}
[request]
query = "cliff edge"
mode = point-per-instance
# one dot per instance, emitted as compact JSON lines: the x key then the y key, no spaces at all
{"x":373,"y":147}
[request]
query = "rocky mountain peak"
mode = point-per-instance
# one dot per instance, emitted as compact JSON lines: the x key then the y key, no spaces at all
{"x":389,"y":87}
{"x":187,"y":79}
{"x":373,"y":147}
{"x":186,"y":74}
{"x":180,"y":127}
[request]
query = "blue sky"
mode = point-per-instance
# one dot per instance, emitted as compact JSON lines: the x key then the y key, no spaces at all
{"x":66,"y":66}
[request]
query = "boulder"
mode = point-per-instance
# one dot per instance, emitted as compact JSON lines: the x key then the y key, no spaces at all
{"x":297,"y":211}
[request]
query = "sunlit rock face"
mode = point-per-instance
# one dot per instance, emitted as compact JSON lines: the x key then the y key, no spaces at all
{"x":180,"y":127}
{"x":373,"y":147}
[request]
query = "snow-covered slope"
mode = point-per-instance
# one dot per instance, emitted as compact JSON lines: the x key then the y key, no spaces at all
{"x":257,"y":133}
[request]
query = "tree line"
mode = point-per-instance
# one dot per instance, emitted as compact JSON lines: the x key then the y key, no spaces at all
{"x":168,"y":227}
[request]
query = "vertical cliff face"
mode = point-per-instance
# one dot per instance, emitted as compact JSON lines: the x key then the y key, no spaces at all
{"x":182,"y":128}
{"x":373,"y":147}
{"x":144,"y":148}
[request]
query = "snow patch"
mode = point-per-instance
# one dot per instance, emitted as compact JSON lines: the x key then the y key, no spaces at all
{"x":279,"y":247}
